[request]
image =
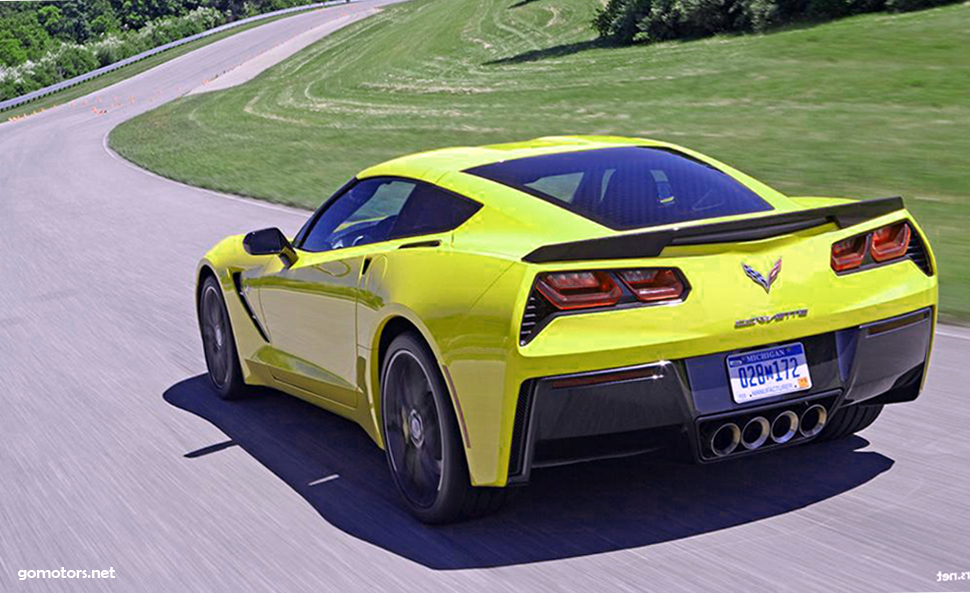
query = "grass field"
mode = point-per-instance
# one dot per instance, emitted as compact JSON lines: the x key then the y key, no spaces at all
{"x":864,"y":107}
{"x":96,"y":84}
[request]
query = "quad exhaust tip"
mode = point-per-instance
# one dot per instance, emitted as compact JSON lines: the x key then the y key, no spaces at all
{"x":784,"y":427}
{"x":725,"y":439}
{"x":755,"y":433}
{"x":758,"y":430}
{"x":813,"y":421}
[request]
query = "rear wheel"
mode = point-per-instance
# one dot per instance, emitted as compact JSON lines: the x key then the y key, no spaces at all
{"x":422,"y":440}
{"x":218,"y":343}
{"x":849,"y":421}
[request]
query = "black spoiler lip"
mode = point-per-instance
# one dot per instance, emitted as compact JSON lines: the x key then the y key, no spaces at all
{"x":652,"y":243}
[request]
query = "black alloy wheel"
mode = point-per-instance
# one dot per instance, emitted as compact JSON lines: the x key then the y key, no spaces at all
{"x":422,"y":439}
{"x":218,"y":342}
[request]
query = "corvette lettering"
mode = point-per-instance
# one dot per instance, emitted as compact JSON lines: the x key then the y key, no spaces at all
{"x":766,"y":319}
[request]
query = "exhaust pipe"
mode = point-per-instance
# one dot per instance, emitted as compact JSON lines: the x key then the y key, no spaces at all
{"x":725,"y":439}
{"x":755,"y":432}
{"x":784,"y":427}
{"x":813,"y":421}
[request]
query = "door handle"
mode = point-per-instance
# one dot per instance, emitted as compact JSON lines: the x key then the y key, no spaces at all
{"x":431,"y":243}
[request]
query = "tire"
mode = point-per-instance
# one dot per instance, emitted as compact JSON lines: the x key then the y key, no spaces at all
{"x":849,"y":421}
{"x":218,"y":343}
{"x":422,"y":440}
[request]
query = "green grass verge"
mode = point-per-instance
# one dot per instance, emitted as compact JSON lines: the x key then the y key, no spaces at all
{"x":96,"y":84}
{"x":868,"y":106}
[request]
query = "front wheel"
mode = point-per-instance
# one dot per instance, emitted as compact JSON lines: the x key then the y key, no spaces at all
{"x":421,"y":438}
{"x":218,"y":343}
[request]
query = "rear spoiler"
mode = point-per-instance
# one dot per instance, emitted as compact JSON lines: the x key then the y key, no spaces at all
{"x":652,"y":243}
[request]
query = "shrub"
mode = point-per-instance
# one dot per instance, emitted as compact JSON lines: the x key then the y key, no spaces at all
{"x":758,"y":15}
{"x":11,"y":52}
{"x":104,"y":23}
{"x":71,"y":60}
{"x":618,"y":19}
{"x":906,"y":5}
{"x":68,"y":60}
{"x":678,"y":19}
{"x":111,"y":49}
{"x":8,"y":87}
{"x":626,"y":21}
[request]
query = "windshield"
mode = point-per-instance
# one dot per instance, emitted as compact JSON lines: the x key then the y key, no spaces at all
{"x":628,"y":187}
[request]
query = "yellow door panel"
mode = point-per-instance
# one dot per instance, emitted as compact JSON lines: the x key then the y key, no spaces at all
{"x":310,"y":311}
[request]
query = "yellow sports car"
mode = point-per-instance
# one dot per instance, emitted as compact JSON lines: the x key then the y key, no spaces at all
{"x":482,"y":312}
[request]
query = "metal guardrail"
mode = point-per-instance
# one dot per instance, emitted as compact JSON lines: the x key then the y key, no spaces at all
{"x":64,"y":84}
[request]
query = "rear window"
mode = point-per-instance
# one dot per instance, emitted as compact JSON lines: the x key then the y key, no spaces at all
{"x":628,"y":187}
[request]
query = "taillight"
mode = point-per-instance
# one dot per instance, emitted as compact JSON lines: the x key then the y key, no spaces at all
{"x":562,"y":293}
{"x":890,"y":242}
{"x":882,"y":245}
{"x":579,"y":290}
{"x":652,"y":285}
{"x":848,"y":254}
{"x":585,"y":290}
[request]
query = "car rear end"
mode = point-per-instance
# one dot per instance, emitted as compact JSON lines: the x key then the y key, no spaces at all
{"x":678,"y":354}
{"x":734,"y":337}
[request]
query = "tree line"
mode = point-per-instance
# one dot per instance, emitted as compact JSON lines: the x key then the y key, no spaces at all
{"x":42,"y":43}
{"x":630,"y":21}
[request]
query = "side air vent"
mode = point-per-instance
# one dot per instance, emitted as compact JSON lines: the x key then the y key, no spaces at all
{"x":537,"y":309}
{"x":237,"y":282}
{"x":917,"y":253}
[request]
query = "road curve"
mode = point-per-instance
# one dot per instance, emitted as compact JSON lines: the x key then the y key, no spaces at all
{"x":116,"y":454}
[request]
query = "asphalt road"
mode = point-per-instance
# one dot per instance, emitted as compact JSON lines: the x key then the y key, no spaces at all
{"x":116,"y":454}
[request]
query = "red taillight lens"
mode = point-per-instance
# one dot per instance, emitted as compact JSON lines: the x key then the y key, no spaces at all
{"x":883,"y":244}
{"x":579,"y":290}
{"x":849,"y":253}
{"x":890,"y":242}
{"x":650,"y":286}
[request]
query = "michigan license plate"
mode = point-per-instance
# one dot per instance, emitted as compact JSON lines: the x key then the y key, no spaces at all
{"x":768,"y":373}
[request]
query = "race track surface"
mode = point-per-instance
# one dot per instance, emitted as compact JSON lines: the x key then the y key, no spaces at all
{"x":115,"y":453}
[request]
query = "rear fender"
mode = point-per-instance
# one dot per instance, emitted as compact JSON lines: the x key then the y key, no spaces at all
{"x":444,"y":291}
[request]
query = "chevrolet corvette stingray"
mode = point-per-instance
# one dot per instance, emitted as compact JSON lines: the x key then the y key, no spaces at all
{"x":485,"y":311}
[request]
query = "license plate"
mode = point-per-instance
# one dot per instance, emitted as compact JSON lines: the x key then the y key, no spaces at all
{"x":768,"y":373}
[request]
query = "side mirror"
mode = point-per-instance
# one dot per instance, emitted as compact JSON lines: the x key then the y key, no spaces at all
{"x":270,"y":241}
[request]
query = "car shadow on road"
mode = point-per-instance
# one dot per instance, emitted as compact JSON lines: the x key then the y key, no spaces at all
{"x":565,"y":512}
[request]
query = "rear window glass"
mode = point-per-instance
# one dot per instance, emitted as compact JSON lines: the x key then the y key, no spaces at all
{"x":628,"y":187}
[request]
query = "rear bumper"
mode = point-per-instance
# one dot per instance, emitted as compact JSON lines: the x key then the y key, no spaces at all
{"x":568,"y":418}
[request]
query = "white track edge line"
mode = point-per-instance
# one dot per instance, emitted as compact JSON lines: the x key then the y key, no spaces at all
{"x":949,"y":335}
